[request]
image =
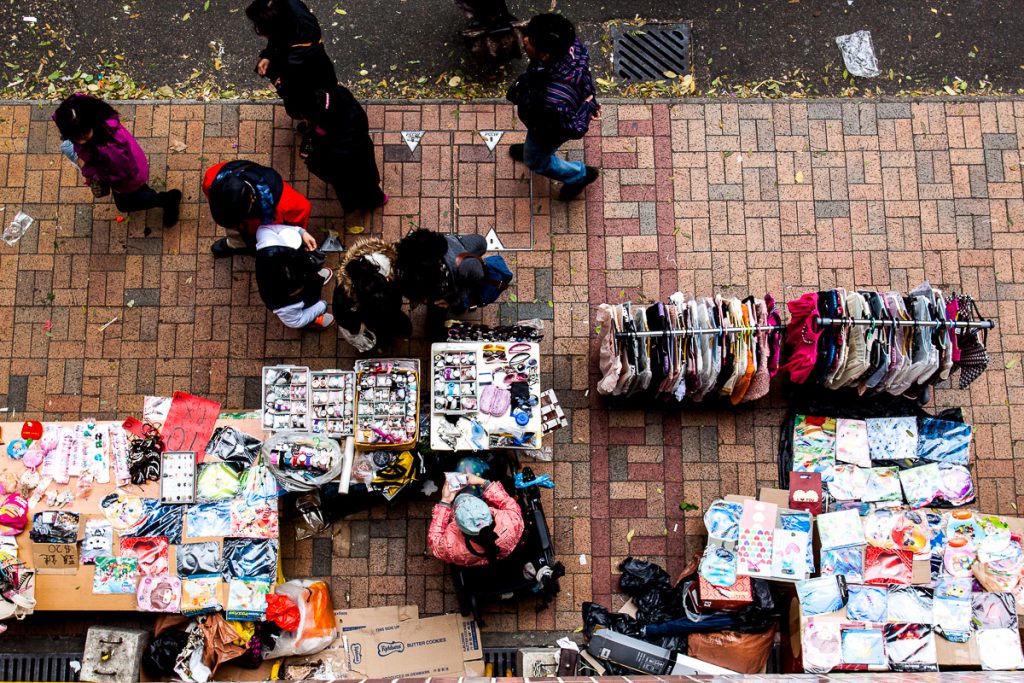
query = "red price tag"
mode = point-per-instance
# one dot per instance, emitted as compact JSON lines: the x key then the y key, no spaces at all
{"x":189,"y":424}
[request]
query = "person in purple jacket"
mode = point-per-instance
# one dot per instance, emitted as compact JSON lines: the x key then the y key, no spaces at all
{"x":110,"y":158}
{"x":555,"y":99}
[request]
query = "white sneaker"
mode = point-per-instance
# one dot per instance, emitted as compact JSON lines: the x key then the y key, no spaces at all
{"x":322,"y":322}
{"x":326,"y":274}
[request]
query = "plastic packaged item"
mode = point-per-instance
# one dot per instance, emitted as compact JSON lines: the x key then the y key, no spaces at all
{"x":98,"y":540}
{"x":247,"y":599}
{"x":959,"y":558}
{"x":207,"y":520}
{"x":199,"y":595}
{"x":150,"y":552}
{"x":316,"y":629}
{"x":883,"y":484}
{"x":718,"y":566}
{"x":909,"y":605}
{"x":17,"y":228}
{"x":839,"y":529}
{"x":944,"y":441}
{"x":199,"y":559}
{"x":921,"y":485}
{"x":722,"y":520}
{"x":115,"y":575}
{"x":799,"y":521}
{"x":259,"y":521}
{"x":821,"y":595}
{"x":159,"y":593}
{"x":54,"y":526}
{"x":867,"y":603}
{"x":892,"y":438}
{"x":864,"y":646}
{"x":233,"y":446}
{"x":911,"y":533}
{"x":123,"y":510}
{"x":814,"y":445}
{"x":311,"y":520}
{"x":249,"y":558}
{"x":994,"y":610}
{"x":821,"y":646}
{"x":217,"y":481}
{"x":847,"y":562}
{"x":910,"y":647}
{"x":302,"y":461}
{"x":848,"y":482}
{"x":1000,"y":649}
{"x":852,"y":442}
{"x":884,"y":566}
{"x":956,"y":486}
{"x":952,"y":610}
{"x":159,"y":520}
{"x":1001,"y":574}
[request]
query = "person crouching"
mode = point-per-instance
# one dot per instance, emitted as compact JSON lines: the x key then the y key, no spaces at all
{"x":290,"y":275}
{"x":470,"y":531}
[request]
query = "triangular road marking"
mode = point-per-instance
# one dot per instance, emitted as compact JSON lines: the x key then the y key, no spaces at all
{"x":412,"y":138}
{"x":493,"y":243}
{"x":491,"y":137}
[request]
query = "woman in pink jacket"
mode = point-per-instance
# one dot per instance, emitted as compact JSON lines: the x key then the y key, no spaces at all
{"x":467,"y":531}
{"x":110,"y":158}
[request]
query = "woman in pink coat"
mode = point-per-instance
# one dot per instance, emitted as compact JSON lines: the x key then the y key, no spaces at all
{"x":470,"y":531}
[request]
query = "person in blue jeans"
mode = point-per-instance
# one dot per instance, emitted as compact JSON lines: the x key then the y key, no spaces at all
{"x":555,"y":99}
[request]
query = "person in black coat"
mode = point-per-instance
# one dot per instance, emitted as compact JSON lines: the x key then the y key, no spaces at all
{"x":295,"y":60}
{"x":338,"y":149}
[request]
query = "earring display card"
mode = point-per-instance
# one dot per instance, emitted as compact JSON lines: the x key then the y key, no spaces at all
{"x":466,"y":381}
{"x":333,"y":402}
{"x":285,"y":398}
{"x":178,"y":478}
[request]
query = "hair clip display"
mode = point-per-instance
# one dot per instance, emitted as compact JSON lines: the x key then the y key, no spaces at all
{"x":286,"y":398}
{"x":387,"y":406}
{"x":333,"y":402}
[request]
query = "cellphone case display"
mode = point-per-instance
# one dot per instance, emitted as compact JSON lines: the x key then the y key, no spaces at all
{"x":485,"y":395}
{"x":333,"y":402}
{"x":387,"y":403}
{"x":285,"y":398}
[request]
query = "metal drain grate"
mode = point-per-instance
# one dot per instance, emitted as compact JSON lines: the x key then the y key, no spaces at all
{"x":502,"y":661}
{"x":645,"y":53}
{"x":55,"y":667}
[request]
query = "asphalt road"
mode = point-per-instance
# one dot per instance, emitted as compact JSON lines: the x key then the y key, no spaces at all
{"x":183,"y":43}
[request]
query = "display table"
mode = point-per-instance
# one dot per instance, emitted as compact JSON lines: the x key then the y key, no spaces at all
{"x":485,"y":395}
{"x":74,"y":591}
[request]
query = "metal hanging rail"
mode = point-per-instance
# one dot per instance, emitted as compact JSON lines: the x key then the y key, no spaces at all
{"x":833,"y":322}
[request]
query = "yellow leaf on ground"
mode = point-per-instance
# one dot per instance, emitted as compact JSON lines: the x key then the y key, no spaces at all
{"x":670,"y":74}
{"x":629,"y":535}
{"x":356,"y":229}
{"x":455,"y":80}
{"x":799,"y":176}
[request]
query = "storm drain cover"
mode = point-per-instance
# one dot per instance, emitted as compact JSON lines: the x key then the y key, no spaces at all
{"x":645,"y":53}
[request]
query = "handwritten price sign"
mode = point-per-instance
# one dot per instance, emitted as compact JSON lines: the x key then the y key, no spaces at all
{"x":189,"y":424}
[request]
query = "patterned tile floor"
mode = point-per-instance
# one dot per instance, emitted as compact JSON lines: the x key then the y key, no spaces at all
{"x":702,"y":197}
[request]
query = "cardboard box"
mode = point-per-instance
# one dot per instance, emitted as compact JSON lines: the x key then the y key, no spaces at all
{"x":436,"y":646}
{"x":716,"y":597}
{"x":689,"y":666}
{"x":374,"y":617}
{"x":631,"y":653}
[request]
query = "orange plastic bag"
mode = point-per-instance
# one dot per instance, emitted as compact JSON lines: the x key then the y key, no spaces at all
{"x":319,"y":621}
{"x":316,"y":627}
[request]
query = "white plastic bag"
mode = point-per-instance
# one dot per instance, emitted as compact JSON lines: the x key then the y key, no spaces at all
{"x":316,"y":619}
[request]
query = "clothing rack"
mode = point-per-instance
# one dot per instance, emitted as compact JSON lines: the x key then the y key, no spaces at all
{"x":832,"y":322}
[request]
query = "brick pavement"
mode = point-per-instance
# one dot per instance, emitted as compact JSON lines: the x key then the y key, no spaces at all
{"x":733,"y":197}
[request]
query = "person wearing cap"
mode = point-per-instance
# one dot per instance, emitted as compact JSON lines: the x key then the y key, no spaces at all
{"x":244,"y":195}
{"x":471,"y":531}
{"x":290,"y":276}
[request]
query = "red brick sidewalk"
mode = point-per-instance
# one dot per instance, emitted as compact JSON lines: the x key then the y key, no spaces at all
{"x":739,"y":198}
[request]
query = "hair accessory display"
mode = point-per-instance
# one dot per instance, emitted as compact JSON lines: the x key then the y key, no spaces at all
{"x":387,"y":406}
{"x":302,"y":461}
{"x":144,"y":456}
{"x":178,"y":478}
{"x":285,"y":398}
{"x":333,"y":402}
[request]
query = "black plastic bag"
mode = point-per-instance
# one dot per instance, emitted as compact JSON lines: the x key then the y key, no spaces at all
{"x":595,"y":616}
{"x":235,"y":447}
{"x":160,"y":655}
{"x":640,"y":576}
{"x":651,"y":606}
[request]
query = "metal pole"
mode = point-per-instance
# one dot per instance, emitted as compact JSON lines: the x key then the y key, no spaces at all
{"x":976,"y":324}
{"x":694,"y":333}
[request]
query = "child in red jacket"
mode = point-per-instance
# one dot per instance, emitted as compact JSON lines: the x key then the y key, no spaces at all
{"x":244,"y":195}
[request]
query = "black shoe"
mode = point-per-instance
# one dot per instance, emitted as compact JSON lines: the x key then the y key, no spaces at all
{"x":172,"y":206}
{"x":306,"y":146}
{"x":516,"y":152}
{"x":572,"y":190}
{"x":221,"y":249}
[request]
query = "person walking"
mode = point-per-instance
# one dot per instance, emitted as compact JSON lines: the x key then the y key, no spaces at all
{"x":294,"y":60}
{"x":290,"y":276}
{"x":338,"y":149}
{"x":555,"y":99}
{"x":471,"y":531}
{"x":244,"y":195}
{"x":110,"y":158}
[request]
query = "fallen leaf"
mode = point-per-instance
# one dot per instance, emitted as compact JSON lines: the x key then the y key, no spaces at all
{"x":939,"y":34}
{"x":799,"y":176}
{"x":363,"y":72}
{"x":131,"y":303}
{"x":686,"y":507}
{"x":165,"y":91}
{"x":356,"y":230}
{"x":629,"y":536}
{"x":338,"y":10}
{"x":949,"y":90}
{"x":185,"y":16}
{"x":454,"y":81}
{"x":178,"y":146}
{"x":206,"y":5}
{"x":1011,"y":364}
{"x":670,"y":74}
